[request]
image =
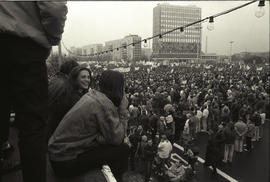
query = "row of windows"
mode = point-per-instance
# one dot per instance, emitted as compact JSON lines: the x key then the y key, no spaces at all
{"x":168,"y":21}
{"x":191,"y":31}
{"x":181,"y":10}
{"x":189,"y":34}
{"x":180,"y":40}
{"x":181,"y":16}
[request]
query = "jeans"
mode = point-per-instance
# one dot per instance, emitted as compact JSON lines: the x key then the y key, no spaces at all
{"x":198,"y":125}
{"x":228,"y":152}
{"x":148,"y":169}
{"x":239,"y":144}
{"x":114,"y":156}
{"x":204,"y":123}
{"x":257,"y":133}
{"x":25,"y":87}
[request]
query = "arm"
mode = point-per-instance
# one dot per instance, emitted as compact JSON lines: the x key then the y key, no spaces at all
{"x":53,"y":16}
{"x":236,"y":130}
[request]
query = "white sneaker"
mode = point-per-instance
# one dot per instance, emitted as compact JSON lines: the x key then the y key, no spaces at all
{"x":106,"y":170}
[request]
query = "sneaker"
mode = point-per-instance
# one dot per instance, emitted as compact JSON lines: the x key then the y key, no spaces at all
{"x":224,"y":161}
{"x":106,"y":170}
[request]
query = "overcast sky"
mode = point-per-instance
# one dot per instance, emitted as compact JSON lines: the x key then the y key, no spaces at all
{"x":90,"y":22}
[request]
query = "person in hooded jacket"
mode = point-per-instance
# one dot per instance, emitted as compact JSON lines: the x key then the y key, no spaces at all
{"x":56,"y":83}
{"x":73,"y":89}
{"x":93,"y":132}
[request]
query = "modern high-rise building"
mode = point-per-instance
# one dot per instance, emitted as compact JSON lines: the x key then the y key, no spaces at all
{"x":176,"y":45}
{"x":133,"y":52}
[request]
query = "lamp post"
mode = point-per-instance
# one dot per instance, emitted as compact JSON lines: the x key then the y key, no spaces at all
{"x":59,"y":54}
{"x":231,"y":42}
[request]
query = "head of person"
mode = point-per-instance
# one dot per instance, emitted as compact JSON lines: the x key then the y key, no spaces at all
{"x":111,"y":83}
{"x":150,"y":142}
{"x":67,"y":66}
{"x":144,"y":138}
{"x":80,"y":78}
{"x":163,"y":137}
{"x":140,"y":128}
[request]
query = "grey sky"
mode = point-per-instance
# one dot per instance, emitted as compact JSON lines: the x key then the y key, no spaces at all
{"x":91,"y":22}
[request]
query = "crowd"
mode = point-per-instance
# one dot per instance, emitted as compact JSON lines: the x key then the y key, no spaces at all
{"x":174,"y":103}
{"x":92,"y":118}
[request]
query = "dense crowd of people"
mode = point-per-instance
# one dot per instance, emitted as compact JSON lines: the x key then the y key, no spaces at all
{"x":91,"y":117}
{"x":173,"y":103}
{"x":157,"y":105}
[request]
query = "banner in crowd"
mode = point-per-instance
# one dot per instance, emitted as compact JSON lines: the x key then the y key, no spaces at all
{"x":122,"y":70}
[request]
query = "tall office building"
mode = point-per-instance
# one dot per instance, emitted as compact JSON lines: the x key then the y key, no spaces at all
{"x":176,"y":45}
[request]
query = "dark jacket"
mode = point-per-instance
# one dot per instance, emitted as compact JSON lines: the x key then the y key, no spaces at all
{"x":63,"y":95}
{"x":229,"y":134}
{"x":149,"y":152}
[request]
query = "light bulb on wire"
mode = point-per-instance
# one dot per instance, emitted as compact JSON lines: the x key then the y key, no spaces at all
{"x":182,"y":32}
{"x":210,"y":25}
{"x":260,"y":10}
{"x":145,"y":43}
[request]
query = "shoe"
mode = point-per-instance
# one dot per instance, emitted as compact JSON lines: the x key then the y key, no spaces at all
{"x":246,"y":150}
{"x":106,"y":170}
{"x":224,"y":161}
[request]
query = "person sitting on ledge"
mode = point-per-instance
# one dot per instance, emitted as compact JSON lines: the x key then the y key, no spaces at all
{"x":92,"y":133}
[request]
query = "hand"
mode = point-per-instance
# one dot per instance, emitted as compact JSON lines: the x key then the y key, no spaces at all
{"x":126,"y":141}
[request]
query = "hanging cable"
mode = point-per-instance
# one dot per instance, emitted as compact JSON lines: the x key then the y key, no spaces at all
{"x":261,"y":4}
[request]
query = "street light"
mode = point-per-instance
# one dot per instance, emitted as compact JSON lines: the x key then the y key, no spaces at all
{"x":231,"y":42}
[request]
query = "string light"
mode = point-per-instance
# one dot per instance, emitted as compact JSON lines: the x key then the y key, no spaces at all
{"x":210,"y":26}
{"x":260,"y":10}
{"x":145,"y":43}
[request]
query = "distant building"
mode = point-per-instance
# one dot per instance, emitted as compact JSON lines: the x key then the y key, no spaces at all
{"x":133,"y":52}
{"x":244,"y":55}
{"x":130,"y":53}
{"x":209,"y":57}
{"x":75,"y":51}
{"x":176,"y":45}
{"x":146,"y":53}
{"x":92,"y":49}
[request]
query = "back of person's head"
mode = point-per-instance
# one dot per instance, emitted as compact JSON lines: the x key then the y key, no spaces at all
{"x":163,"y":137}
{"x":67,"y":66}
{"x":111,"y":83}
